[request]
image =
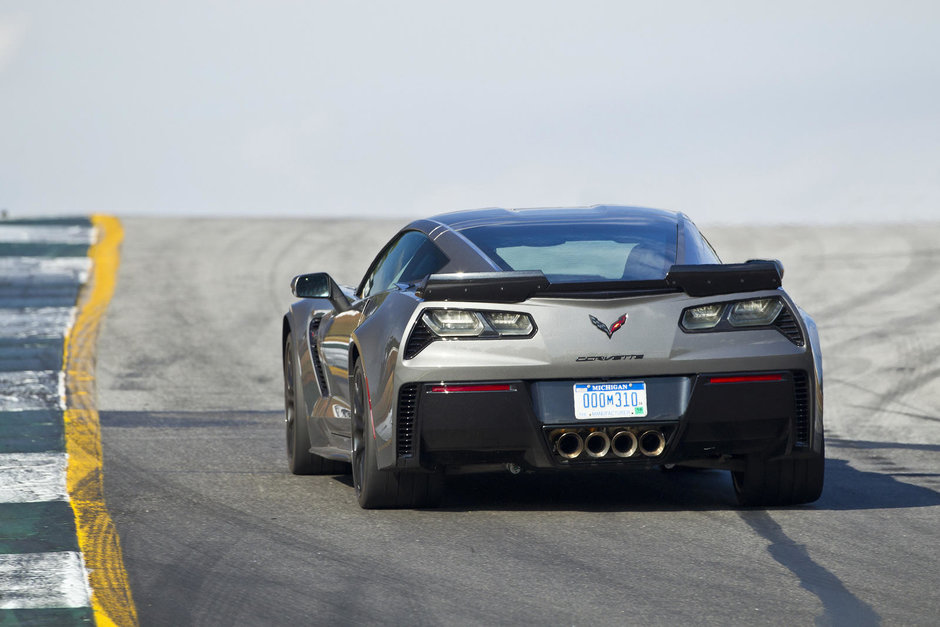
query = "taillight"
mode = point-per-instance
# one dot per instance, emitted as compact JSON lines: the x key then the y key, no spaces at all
{"x":753,"y":312}
{"x":466,"y":323}
{"x":454,"y":322}
{"x":757,"y":312}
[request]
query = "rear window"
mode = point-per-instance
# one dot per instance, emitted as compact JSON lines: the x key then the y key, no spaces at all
{"x":566,"y":252}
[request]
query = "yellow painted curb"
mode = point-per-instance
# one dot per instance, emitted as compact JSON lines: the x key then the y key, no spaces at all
{"x":111,"y":598}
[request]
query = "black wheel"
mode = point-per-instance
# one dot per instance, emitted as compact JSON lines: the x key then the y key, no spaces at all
{"x":299,"y":458}
{"x":375,"y":488}
{"x":783,"y":482}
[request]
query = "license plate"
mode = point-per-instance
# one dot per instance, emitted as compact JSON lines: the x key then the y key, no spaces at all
{"x":610,"y":400}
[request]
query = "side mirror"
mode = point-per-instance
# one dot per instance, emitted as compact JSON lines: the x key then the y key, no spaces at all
{"x":319,"y":285}
{"x":316,"y":285}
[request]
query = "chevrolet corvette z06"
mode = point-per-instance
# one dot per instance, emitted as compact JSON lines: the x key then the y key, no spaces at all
{"x":605,"y":337}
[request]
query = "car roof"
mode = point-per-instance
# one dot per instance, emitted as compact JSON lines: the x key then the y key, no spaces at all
{"x":460,"y":220}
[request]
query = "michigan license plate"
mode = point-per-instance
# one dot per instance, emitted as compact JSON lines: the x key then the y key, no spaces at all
{"x":610,"y":400}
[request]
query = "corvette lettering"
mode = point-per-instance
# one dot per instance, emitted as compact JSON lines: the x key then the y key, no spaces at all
{"x":608,"y":357}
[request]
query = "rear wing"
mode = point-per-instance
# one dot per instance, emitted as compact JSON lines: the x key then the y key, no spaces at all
{"x":715,"y":279}
{"x":497,"y":287}
{"x":515,"y":287}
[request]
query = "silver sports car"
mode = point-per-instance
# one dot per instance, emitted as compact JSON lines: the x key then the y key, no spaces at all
{"x":553,"y":340}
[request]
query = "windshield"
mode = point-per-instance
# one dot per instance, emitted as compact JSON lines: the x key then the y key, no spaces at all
{"x":576,"y":252}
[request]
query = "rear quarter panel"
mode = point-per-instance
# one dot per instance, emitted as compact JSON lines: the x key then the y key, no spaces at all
{"x":377,"y":342}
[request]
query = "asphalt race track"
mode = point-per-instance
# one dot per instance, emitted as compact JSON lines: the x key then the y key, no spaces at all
{"x":216,"y":532}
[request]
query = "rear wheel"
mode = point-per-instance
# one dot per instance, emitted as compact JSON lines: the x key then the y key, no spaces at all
{"x":299,"y":458}
{"x":780,"y":482}
{"x":377,"y":488}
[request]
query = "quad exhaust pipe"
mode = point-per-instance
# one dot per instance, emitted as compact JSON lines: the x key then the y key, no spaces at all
{"x":652,"y":443}
{"x":598,"y":444}
{"x":624,"y":444}
{"x":569,"y":445}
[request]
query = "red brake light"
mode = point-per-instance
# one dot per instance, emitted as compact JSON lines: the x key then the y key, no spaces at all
{"x":751,"y":378}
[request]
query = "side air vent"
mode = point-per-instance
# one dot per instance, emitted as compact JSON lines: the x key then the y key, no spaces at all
{"x":407,"y":405}
{"x":420,"y":337}
{"x":801,"y":405}
{"x":789,"y":327}
{"x":315,"y":356}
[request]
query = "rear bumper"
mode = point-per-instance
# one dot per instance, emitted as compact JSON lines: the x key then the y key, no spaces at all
{"x":704,"y":418}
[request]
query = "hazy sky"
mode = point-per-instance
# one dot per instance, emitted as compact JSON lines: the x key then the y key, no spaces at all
{"x":729,"y":111}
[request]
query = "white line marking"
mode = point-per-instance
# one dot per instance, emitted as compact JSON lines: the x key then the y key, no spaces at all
{"x":28,"y":389}
{"x":60,"y":384}
{"x":32,"y":323}
{"x":32,"y":478}
{"x":43,"y":580}
{"x":42,"y":270}
{"x":51,"y":234}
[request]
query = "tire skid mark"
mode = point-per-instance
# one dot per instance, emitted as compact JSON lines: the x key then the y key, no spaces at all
{"x":840,"y":606}
{"x":905,"y":368}
{"x":218,"y":584}
{"x":908,"y":383}
{"x":276,"y":279}
{"x":915,"y":410}
{"x":864,"y":409}
{"x":899,"y":471}
{"x":195,"y":557}
{"x":918,"y":265}
{"x":854,"y":278}
{"x":234,"y":240}
{"x":882,"y":331}
{"x":908,"y":415}
{"x":210,"y":590}
{"x":890,"y":361}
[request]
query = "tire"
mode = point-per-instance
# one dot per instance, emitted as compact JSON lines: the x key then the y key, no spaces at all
{"x":383,"y":489}
{"x":781,"y":482}
{"x":300,"y":460}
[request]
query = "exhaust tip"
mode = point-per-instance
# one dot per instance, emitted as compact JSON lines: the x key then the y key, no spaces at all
{"x":597,"y":444}
{"x":624,"y":444}
{"x":652,"y":443}
{"x":569,"y":445}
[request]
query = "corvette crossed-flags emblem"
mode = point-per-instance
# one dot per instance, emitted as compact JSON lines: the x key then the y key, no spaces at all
{"x":619,"y":322}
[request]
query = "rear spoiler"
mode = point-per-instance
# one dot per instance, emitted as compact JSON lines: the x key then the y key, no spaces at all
{"x":515,"y":287}
{"x":715,"y":279}
{"x":497,"y":287}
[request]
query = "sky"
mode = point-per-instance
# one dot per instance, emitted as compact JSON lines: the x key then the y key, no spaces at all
{"x":732,"y":112}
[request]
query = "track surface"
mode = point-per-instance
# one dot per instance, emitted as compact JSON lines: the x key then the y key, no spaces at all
{"x":215,"y":531}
